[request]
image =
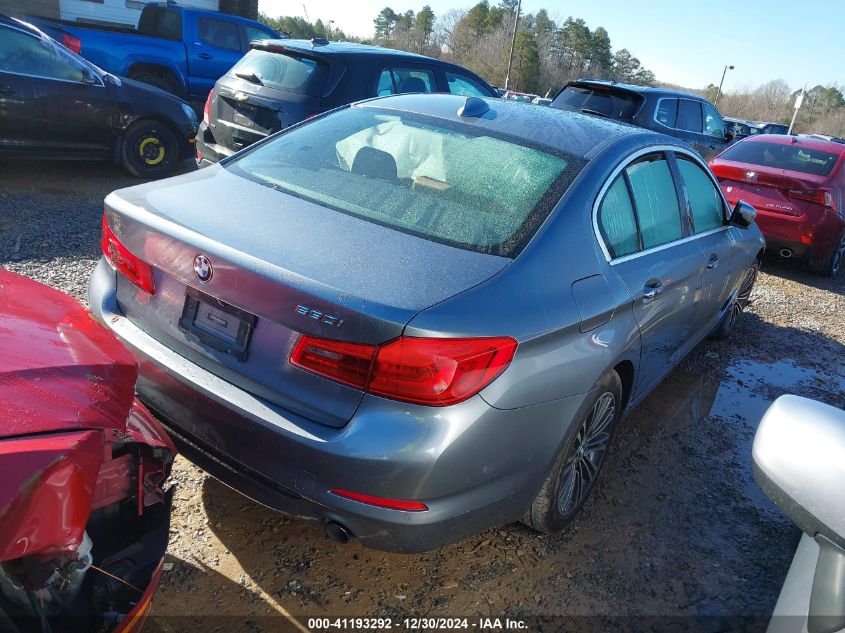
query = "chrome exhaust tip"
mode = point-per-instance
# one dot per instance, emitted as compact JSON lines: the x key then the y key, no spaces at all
{"x":337,"y":532}
{"x":785,"y":253}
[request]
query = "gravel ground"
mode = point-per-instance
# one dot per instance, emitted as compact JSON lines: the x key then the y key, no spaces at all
{"x":676,"y":526}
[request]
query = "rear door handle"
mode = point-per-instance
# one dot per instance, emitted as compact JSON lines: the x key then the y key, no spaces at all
{"x":205,"y":56}
{"x":713,"y":262}
{"x":652,"y":290}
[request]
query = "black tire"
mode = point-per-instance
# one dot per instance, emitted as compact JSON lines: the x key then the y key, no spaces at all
{"x":740,"y":302}
{"x":576,"y":469}
{"x":155,"y":80}
{"x":150,"y":149}
{"x":832,"y":264}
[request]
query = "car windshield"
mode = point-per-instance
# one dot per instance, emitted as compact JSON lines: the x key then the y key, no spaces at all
{"x":792,"y":157}
{"x":616,"y":104}
{"x":287,"y":71}
{"x":444,"y":181}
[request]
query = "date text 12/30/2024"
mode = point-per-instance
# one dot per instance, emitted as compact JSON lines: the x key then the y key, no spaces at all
{"x":416,"y":624}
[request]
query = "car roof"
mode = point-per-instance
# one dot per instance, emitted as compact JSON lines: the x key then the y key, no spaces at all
{"x":324,"y":47}
{"x":571,"y":132}
{"x":644,"y":90}
{"x":805,"y":141}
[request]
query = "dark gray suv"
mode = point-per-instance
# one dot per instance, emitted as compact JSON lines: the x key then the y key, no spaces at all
{"x":689,"y":117}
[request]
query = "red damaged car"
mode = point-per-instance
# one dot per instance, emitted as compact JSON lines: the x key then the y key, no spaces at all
{"x":84,"y":512}
{"x":797,"y":185}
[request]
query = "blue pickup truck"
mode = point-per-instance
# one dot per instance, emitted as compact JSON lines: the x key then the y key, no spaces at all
{"x":178,"y":49}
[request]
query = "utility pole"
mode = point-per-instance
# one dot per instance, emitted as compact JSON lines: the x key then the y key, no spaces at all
{"x":719,"y":91}
{"x":798,"y":101}
{"x":513,"y":44}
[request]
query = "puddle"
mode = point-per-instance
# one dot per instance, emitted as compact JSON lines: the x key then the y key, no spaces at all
{"x":686,"y":450}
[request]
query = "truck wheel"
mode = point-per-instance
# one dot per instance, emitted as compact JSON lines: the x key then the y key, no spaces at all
{"x":154,"y":80}
{"x":832,"y":264}
{"x":577,"y":467}
{"x":150,"y":149}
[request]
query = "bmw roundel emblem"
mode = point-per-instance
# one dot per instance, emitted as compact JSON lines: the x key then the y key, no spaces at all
{"x":203,"y":269}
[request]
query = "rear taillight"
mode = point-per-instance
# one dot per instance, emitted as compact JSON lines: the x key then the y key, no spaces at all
{"x":818,"y":196}
{"x":427,"y":371}
{"x":134,"y":269}
{"x":348,"y":363}
{"x":71,"y":42}
{"x":206,"y":111}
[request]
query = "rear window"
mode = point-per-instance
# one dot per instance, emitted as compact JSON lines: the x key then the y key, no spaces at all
{"x":616,"y":104}
{"x":444,"y":181}
{"x":792,"y":157}
{"x":287,"y":71}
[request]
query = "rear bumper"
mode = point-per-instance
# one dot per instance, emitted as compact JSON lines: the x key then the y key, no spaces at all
{"x":474,"y":466}
{"x":207,"y":151}
{"x":816,"y":233}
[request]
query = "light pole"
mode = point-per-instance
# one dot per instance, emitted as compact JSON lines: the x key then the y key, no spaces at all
{"x":329,"y":29}
{"x":719,"y":91}
{"x":513,"y":44}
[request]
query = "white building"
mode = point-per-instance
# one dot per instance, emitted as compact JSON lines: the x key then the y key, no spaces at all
{"x":122,"y":12}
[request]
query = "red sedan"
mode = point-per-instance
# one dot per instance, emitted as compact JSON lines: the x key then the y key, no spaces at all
{"x":84,"y":512}
{"x":797,"y":184}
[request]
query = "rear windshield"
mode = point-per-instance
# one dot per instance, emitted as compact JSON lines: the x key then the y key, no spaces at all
{"x":286,"y":71}
{"x":616,"y":104}
{"x":444,"y":181}
{"x":792,"y":157}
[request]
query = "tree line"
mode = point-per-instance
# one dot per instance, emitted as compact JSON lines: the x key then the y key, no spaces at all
{"x":547,"y":54}
{"x":822,"y":112}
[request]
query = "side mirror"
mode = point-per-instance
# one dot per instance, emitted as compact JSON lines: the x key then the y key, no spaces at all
{"x":729,"y":136}
{"x":799,"y":450}
{"x":743,"y":215}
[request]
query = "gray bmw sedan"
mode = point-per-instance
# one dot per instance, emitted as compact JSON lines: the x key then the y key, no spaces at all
{"x":421,"y":316}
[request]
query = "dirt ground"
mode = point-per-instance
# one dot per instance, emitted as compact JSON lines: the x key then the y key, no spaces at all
{"x":676,"y":526}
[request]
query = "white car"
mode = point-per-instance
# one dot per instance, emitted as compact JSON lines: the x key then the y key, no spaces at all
{"x":799,"y":462}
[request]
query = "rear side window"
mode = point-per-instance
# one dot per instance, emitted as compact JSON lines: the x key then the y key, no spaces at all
{"x":656,"y":201}
{"x":616,"y":104}
{"x":219,"y":33}
{"x":617,"y":222}
{"x":708,"y":211}
{"x":161,"y":22}
{"x":713,"y":124}
{"x":393,"y":81}
{"x":444,"y":181}
{"x":689,"y":115}
{"x":253,"y":33}
{"x":286,"y":71}
{"x":667,"y":112}
{"x":792,"y":157}
{"x":463,"y":85}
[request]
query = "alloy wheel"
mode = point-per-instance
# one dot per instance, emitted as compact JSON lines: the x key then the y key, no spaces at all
{"x":743,"y":295}
{"x":586,"y":454}
{"x":838,"y":257}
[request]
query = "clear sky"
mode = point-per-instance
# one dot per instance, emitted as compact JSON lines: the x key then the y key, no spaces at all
{"x":681,"y":41}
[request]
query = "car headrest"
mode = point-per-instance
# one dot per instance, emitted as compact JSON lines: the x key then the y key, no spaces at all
{"x":374,"y":163}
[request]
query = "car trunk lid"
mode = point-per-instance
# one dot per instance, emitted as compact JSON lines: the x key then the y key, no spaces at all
{"x":60,"y":370}
{"x":295,"y":266}
{"x":768,"y":189}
